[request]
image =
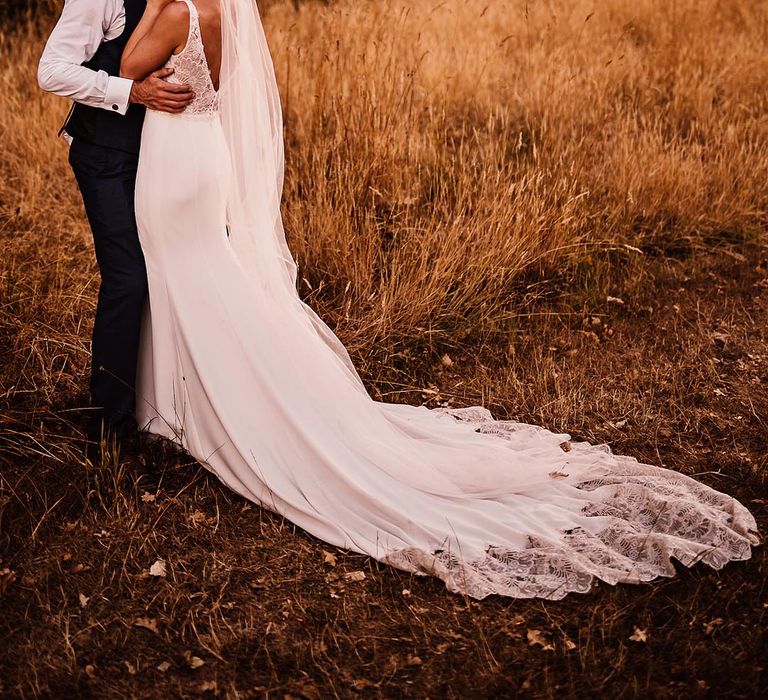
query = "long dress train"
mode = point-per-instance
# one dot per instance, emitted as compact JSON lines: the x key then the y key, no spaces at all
{"x":243,"y":375}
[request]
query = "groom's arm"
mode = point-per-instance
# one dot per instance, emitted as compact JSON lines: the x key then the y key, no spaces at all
{"x":81,"y":29}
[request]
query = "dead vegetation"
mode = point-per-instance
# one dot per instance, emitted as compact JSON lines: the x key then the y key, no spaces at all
{"x":553,"y":209}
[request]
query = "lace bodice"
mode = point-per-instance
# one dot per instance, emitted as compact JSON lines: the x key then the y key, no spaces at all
{"x":191,"y":68}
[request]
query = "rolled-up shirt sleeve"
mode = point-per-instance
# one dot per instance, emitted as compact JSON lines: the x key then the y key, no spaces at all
{"x":81,"y":29}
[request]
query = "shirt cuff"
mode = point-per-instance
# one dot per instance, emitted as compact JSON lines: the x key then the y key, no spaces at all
{"x":118,"y":94}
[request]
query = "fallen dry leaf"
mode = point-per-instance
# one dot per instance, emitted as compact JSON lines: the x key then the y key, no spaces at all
{"x":148,"y":623}
{"x":709,"y":627}
{"x":198,"y":517}
{"x":7,"y":577}
{"x":163,"y":666}
{"x":329,"y":558}
{"x":158,"y":569}
{"x":354,"y":576}
{"x":639,"y":635}
{"x":195,"y":662}
{"x":83,"y":600}
{"x":537,"y":637}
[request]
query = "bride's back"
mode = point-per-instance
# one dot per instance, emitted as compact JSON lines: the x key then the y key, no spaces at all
{"x":209,"y":20}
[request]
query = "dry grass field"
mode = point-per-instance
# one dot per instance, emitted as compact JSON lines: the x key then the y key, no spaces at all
{"x":556,"y":209}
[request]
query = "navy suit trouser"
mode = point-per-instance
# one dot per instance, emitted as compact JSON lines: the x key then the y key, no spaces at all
{"x":107,"y":179}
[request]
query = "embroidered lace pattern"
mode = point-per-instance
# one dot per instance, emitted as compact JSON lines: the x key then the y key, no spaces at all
{"x":191,"y":68}
{"x":645,"y":516}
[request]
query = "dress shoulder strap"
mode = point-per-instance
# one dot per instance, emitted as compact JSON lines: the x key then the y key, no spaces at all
{"x":194,"y":21}
{"x":194,"y":25}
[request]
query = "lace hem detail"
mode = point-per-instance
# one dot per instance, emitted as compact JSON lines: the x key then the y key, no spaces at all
{"x":643,"y":517}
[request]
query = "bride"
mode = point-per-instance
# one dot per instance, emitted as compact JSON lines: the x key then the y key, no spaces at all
{"x":237,"y":370}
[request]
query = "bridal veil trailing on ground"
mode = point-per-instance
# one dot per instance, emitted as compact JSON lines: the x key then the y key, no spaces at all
{"x":245,"y":376}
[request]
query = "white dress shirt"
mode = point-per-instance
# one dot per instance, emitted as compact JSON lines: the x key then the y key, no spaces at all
{"x":83,"y":26}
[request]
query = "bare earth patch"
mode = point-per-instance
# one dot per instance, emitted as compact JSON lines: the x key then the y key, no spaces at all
{"x":172,"y":586}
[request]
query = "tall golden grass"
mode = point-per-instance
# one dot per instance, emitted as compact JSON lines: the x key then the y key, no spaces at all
{"x":441,"y":156}
{"x":446,"y":162}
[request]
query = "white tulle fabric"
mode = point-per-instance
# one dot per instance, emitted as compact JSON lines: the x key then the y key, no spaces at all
{"x":240,"y":372}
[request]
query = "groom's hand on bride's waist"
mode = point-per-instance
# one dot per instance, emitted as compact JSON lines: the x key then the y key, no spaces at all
{"x":154,"y":92}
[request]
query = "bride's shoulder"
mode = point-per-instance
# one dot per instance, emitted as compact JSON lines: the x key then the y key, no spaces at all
{"x":174,"y":19}
{"x":175,"y":9}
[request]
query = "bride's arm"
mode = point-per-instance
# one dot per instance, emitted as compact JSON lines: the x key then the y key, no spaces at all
{"x":163,"y":29}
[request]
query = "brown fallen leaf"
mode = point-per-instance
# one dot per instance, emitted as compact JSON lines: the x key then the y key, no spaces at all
{"x":197,"y":518}
{"x":7,"y":577}
{"x":158,"y":569}
{"x":329,"y":558}
{"x":354,"y":576}
{"x":148,"y":623}
{"x":709,"y":627}
{"x":537,"y":637}
{"x":163,"y":666}
{"x":83,"y":600}
{"x":193,"y":661}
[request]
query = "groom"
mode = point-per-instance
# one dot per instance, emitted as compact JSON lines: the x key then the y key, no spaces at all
{"x":81,"y":61}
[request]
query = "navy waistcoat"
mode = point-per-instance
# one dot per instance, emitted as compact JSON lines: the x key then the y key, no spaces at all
{"x":105,"y":127}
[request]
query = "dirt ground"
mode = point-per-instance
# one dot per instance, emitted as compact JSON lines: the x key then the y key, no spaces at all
{"x":243,"y":604}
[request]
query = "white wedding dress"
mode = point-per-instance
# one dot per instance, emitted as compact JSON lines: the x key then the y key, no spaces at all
{"x":241,"y":373}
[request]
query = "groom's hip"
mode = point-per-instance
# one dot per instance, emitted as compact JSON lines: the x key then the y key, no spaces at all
{"x":90,"y":160}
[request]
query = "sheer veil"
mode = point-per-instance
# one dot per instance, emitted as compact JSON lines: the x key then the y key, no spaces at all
{"x":489,"y":506}
{"x":252,"y":120}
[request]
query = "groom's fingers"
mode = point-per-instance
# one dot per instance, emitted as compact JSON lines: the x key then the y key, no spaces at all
{"x":177,"y":94}
{"x":172,"y":87}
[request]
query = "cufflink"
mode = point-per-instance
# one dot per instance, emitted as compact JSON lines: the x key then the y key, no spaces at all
{"x":115,"y":107}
